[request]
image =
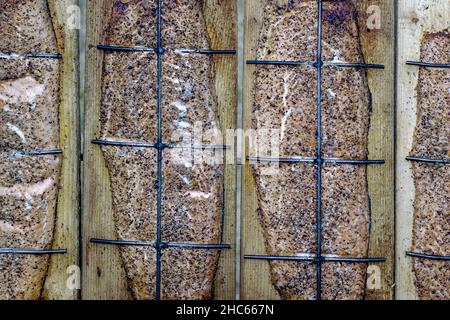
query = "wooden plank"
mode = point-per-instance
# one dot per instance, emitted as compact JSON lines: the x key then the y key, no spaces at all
{"x":67,"y":220}
{"x":221,"y":19}
{"x":255,"y":277}
{"x":414,"y":17}
{"x":378,"y":47}
{"x":103,"y":274}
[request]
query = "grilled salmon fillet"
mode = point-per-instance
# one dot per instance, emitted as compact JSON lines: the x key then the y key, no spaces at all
{"x":191,"y":189}
{"x":29,"y":111}
{"x":431,"y":140}
{"x":285,"y":99}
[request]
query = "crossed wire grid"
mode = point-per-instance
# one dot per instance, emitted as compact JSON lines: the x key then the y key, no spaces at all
{"x":318,"y":258}
{"x":160,"y":146}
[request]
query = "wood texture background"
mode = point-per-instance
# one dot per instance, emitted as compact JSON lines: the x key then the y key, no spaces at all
{"x":255,"y":275}
{"x":67,"y":221}
{"x":103,"y":274}
{"x":378,"y":47}
{"x":104,"y":277}
{"x":414,"y":18}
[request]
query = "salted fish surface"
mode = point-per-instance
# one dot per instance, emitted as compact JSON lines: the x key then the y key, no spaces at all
{"x":432,"y":200}
{"x":285,"y":99}
{"x":29,"y":120}
{"x":192,"y":189}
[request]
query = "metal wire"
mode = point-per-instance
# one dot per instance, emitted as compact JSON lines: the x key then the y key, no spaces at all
{"x":163,"y":245}
{"x":35,"y":153}
{"x":281,"y":63}
{"x":353,"y":65}
{"x":31,"y":251}
{"x":355,"y":260}
{"x":283,"y":159}
{"x":200,"y":146}
{"x":159,"y":52}
{"x":124,"y":242}
{"x":314,"y":160}
{"x":312,"y":258}
{"x":314,"y":64}
{"x":319,"y":160}
{"x":204,"y":51}
{"x":34,"y":55}
{"x":137,"y":144}
{"x":196,"y":245}
{"x":355,"y":162}
{"x":107,"y":47}
{"x":428,"y":256}
{"x":281,"y":258}
{"x":129,"y":144}
{"x":428,"y":64}
{"x":428,"y":160}
{"x":42,"y":152}
{"x":124,"y":49}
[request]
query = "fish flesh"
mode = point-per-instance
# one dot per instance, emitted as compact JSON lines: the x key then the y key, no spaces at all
{"x":191,"y":186}
{"x":285,"y":101}
{"x":431,"y":233}
{"x":29,"y":120}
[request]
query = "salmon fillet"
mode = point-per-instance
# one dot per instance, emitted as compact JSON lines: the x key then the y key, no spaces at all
{"x":29,"y":111}
{"x":285,"y":99}
{"x":431,"y":140}
{"x":192,"y":189}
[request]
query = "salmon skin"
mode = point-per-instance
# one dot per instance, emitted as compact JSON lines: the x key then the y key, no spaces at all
{"x":29,"y":120}
{"x":285,"y":99}
{"x":432,"y":200}
{"x":192,"y":190}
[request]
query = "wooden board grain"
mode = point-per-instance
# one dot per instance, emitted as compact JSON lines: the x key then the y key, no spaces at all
{"x":378,"y":47}
{"x":221,"y":20}
{"x":64,"y":269}
{"x":414,"y":18}
{"x":103,"y":274}
{"x":255,"y":275}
